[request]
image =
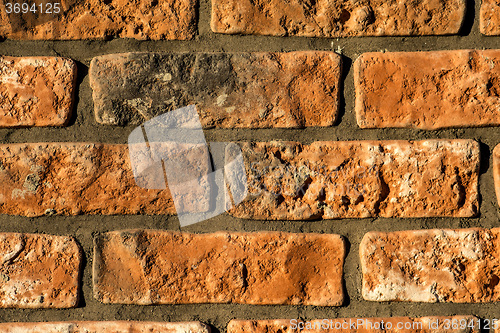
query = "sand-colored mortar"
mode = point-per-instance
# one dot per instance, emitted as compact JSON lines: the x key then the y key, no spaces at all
{"x":84,"y":128}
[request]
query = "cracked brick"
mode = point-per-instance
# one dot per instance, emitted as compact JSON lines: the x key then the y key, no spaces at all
{"x":359,"y":179}
{"x":39,"y":271}
{"x":36,"y":91}
{"x":438,"y":265}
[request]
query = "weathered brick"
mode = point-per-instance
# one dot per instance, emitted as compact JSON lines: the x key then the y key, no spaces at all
{"x":163,"y":267}
{"x":489,"y":22}
{"x":104,"y":327}
{"x":428,"y":90}
{"x":357,"y":325}
{"x":36,"y":91}
{"x":38,"y":271}
{"x":355,"y":179}
{"x":92,"y":19}
{"x":74,"y":178}
{"x":230,"y":90}
{"x":496,"y":171}
{"x":459,"y":266}
{"x":337,"y":18}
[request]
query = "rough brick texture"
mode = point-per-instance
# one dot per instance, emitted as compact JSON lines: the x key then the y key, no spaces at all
{"x":38,"y":271}
{"x":496,"y":171}
{"x":489,"y":22}
{"x":459,"y":266}
{"x":337,"y":18}
{"x":253,"y":90}
{"x":104,"y":327}
{"x":36,"y":91}
{"x":91,"y":19}
{"x":356,"y":325}
{"x":73,"y":178}
{"x":428,"y":90}
{"x":290,"y":181}
{"x":162,"y":267}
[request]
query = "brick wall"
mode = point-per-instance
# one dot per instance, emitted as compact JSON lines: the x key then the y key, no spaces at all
{"x":369,"y":138}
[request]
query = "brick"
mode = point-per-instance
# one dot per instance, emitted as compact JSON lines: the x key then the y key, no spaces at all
{"x":92,"y":19}
{"x":337,"y":18}
{"x":36,"y":91}
{"x":104,"y":327}
{"x":230,"y":90}
{"x":357,"y":325}
{"x":496,"y":171}
{"x":163,"y":267}
{"x":459,"y":266}
{"x":38,"y":271}
{"x":489,"y":21}
{"x":428,"y":90}
{"x":358,"y":179}
{"x":72,"y":179}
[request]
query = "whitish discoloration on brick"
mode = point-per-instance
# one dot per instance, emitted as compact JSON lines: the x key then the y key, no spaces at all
{"x":337,"y":18}
{"x":353,"y":325}
{"x":38,"y":271}
{"x":230,"y":90}
{"x":160,"y":267}
{"x":329,"y":180}
{"x":104,"y":327}
{"x":36,"y":91}
{"x":76,"y":178}
{"x":489,"y":22}
{"x":93,"y":19}
{"x":428,"y":90}
{"x":459,"y":266}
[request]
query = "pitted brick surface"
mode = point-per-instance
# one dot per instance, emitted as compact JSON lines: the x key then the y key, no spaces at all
{"x":355,"y":179}
{"x":162,"y":267}
{"x":337,"y":18}
{"x":356,"y":325}
{"x":38,"y":271}
{"x":428,"y":90}
{"x":489,"y":21}
{"x":72,"y":179}
{"x":104,"y":327}
{"x":496,"y":171}
{"x":230,"y":90}
{"x":459,"y":266}
{"x":93,"y":19}
{"x":36,"y":91}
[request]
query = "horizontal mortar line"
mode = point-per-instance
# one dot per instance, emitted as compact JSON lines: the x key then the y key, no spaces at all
{"x":360,"y":44}
{"x":265,"y":135}
{"x":352,"y":226}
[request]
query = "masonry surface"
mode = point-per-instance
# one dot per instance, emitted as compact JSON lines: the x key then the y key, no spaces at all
{"x":369,"y":134}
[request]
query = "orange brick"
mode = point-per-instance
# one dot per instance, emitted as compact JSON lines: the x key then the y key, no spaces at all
{"x":163,"y":267}
{"x":230,"y":90}
{"x":104,"y":327}
{"x":459,"y":266}
{"x":92,"y":19}
{"x":428,"y":90}
{"x":496,"y":171}
{"x":359,"y":325}
{"x":36,"y":91}
{"x":357,"y":179}
{"x":72,"y":179}
{"x":38,"y":271}
{"x":337,"y":18}
{"x":489,"y":22}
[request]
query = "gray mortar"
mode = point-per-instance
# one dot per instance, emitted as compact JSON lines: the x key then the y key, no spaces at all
{"x":84,"y":128}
